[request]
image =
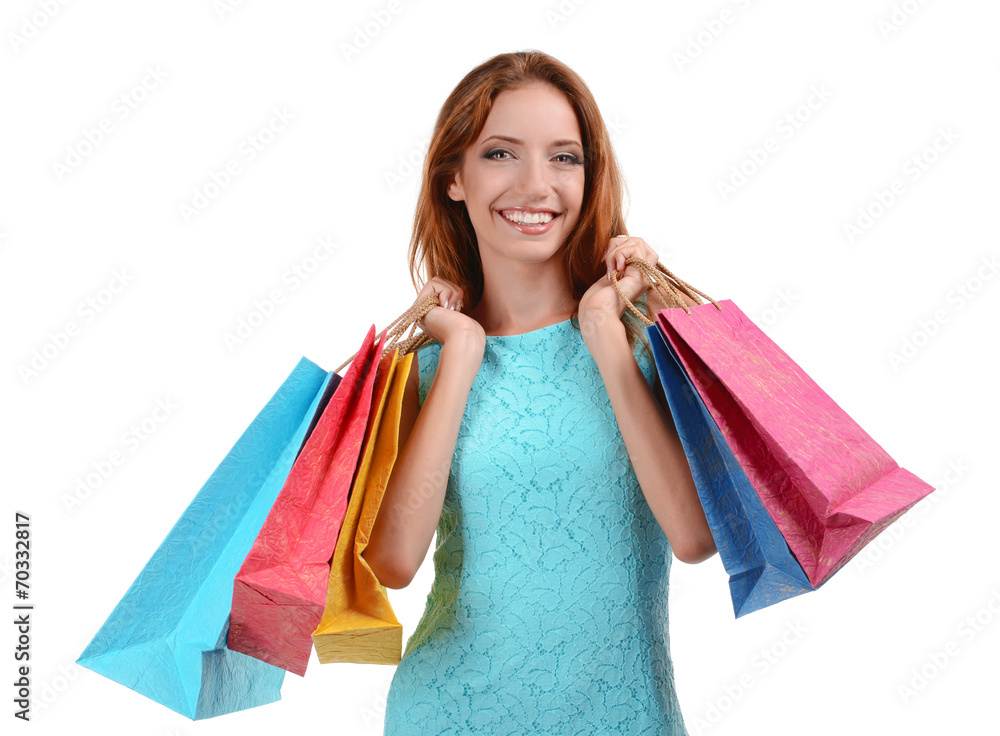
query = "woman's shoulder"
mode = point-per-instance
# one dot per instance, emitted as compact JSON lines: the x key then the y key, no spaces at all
{"x":426,"y":363}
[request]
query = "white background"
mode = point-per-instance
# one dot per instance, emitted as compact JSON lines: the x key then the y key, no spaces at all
{"x":777,"y":246}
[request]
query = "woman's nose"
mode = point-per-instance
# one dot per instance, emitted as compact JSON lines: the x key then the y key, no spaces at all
{"x":534,"y":180}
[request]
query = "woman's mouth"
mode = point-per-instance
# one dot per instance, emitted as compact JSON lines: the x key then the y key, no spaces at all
{"x":531,"y":223}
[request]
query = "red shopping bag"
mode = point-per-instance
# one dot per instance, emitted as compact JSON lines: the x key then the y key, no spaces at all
{"x":280,"y":590}
{"x":828,"y":486}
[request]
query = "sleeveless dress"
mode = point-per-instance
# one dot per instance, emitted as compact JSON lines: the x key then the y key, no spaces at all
{"x":548,"y":610}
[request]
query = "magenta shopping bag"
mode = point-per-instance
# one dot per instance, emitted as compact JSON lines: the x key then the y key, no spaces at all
{"x":828,"y":486}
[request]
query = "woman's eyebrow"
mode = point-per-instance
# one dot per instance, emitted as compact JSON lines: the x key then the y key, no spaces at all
{"x":519,"y":142}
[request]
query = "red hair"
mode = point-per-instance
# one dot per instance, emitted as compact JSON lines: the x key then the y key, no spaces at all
{"x":443,"y":242}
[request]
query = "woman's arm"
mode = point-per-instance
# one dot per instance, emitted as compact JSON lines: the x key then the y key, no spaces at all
{"x":654,"y":448}
{"x":414,"y":495}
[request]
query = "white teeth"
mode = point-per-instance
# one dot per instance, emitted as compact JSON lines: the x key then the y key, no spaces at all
{"x":528,"y":218}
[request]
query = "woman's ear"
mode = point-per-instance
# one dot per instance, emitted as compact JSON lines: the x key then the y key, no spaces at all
{"x":455,"y":189}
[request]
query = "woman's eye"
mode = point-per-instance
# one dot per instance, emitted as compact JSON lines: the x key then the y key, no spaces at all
{"x":568,"y":158}
{"x":498,"y":154}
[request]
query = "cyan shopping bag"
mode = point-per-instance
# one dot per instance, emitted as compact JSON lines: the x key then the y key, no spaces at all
{"x":166,"y":638}
{"x":829,"y":487}
{"x":762,"y":569}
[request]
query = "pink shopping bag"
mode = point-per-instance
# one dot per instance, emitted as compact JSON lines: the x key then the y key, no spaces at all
{"x":828,"y":486}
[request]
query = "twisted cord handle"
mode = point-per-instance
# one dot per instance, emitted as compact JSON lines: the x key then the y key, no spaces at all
{"x":667,"y":285}
{"x":398,"y":326}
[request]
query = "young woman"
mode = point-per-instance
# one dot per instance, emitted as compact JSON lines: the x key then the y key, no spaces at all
{"x":535,"y":437}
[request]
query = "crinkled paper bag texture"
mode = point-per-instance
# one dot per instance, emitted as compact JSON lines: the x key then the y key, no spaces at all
{"x":828,"y":486}
{"x":280,"y":590}
{"x":166,"y":638}
{"x":358,"y":624}
{"x":762,"y":570}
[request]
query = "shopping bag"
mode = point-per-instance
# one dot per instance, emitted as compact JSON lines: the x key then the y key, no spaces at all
{"x":828,"y":486}
{"x":280,"y":590}
{"x":358,"y":623}
{"x":166,"y":638}
{"x":762,"y":569}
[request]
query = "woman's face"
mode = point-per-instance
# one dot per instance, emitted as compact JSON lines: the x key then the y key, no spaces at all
{"x":522,"y":179}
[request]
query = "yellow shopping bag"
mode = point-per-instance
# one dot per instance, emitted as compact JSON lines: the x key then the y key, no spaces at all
{"x":358,"y":624}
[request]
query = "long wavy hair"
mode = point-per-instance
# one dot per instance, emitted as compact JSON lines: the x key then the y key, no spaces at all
{"x":443,"y":242}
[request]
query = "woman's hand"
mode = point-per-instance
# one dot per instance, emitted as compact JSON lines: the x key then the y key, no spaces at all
{"x":446,"y":321}
{"x":601,"y":305}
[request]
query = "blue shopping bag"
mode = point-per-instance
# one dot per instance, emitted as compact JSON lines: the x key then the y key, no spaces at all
{"x":166,"y":638}
{"x":762,"y":569}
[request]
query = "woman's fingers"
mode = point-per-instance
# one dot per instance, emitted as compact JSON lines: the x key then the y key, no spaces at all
{"x":444,"y":296}
{"x":449,"y":294}
{"x":623,"y":247}
{"x":450,"y":299}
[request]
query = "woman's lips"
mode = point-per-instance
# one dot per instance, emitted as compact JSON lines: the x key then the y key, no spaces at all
{"x":530,"y":229}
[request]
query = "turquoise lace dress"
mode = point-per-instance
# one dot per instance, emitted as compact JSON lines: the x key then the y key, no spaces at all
{"x":548,"y":610}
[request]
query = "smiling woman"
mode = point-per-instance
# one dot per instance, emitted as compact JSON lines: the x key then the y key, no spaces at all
{"x":515,"y":186}
{"x":532,"y":440}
